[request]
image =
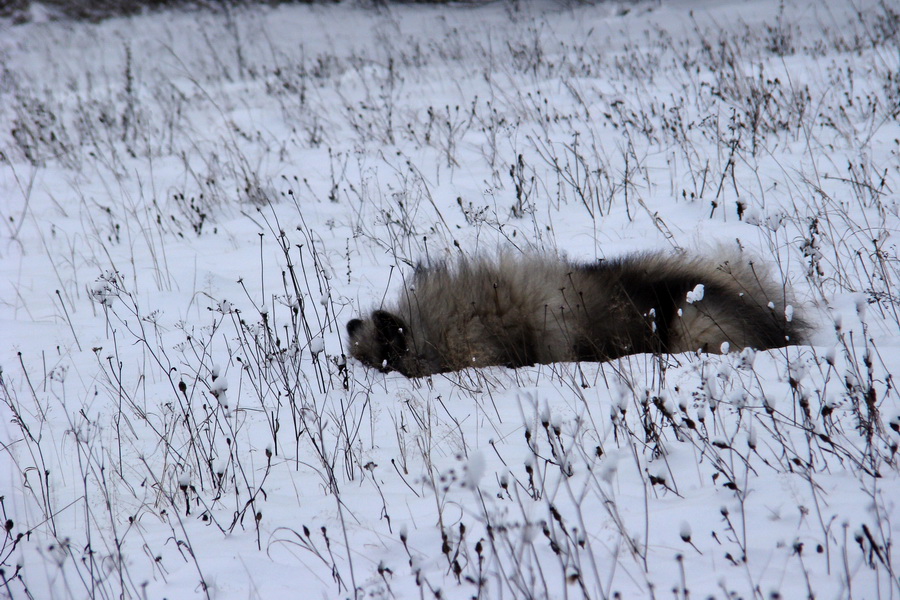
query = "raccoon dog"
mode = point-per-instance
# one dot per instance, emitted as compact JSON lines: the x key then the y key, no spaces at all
{"x":522,"y":310}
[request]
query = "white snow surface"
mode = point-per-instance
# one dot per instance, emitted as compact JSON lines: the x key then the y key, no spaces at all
{"x":195,"y":203}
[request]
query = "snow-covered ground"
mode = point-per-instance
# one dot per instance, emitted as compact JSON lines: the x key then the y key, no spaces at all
{"x":195,"y":204}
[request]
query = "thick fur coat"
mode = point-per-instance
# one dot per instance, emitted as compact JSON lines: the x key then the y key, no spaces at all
{"x":522,"y":310}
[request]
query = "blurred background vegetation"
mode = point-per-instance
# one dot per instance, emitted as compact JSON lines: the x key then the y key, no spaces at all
{"x":23,"y":11}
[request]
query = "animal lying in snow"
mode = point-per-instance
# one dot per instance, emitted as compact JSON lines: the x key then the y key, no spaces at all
{"x":516,"y":310}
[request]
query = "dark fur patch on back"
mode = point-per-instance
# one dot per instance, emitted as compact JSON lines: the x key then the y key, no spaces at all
{"x":650,"y":304}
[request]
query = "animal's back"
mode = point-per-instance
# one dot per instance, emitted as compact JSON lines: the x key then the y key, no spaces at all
{"x":487,"y":312}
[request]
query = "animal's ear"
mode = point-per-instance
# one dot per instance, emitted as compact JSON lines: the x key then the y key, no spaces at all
{"x":390,"y":331}
{"x":353,"y":326}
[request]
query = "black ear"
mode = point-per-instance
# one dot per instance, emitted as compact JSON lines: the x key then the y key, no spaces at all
{"x":353,"y":326}
{"x":390,"y":331}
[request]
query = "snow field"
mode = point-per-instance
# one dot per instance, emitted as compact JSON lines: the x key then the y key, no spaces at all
{"x":194,"y":205}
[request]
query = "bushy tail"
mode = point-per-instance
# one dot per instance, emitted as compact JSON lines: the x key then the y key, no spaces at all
{"x":739,"y":303}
